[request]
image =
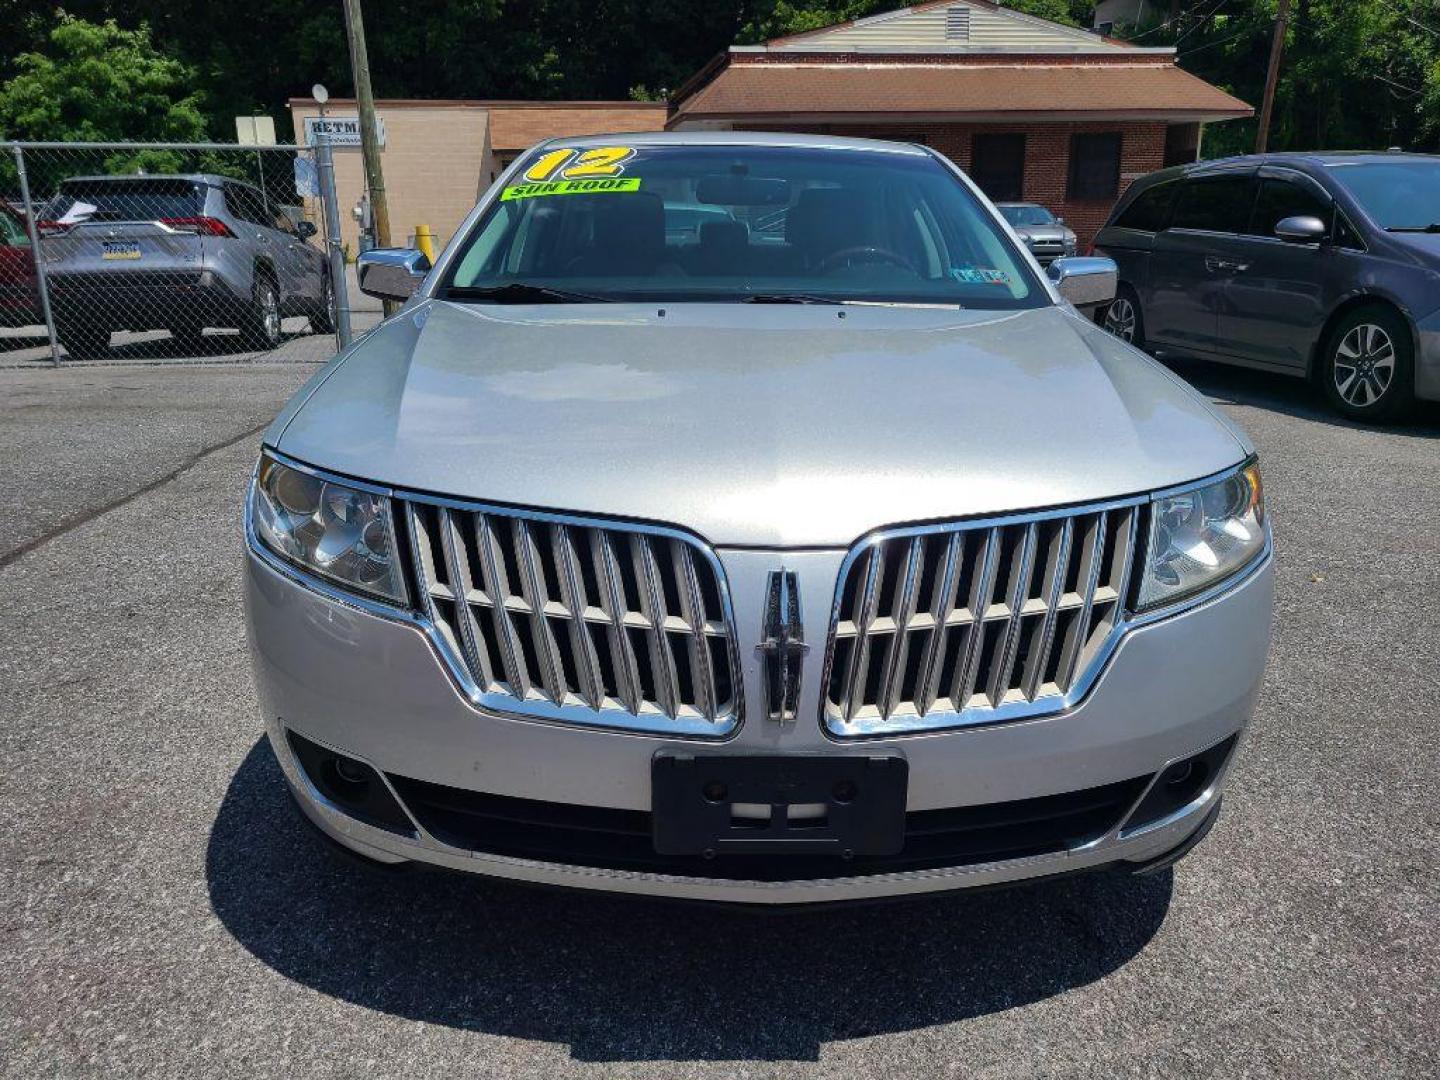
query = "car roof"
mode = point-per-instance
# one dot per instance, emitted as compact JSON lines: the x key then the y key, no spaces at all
{"x":737,"y":138}
{"x":195,"y":178}
{"x":1311,"y":158}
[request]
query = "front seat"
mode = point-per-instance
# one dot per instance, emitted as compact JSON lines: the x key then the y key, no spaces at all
{"x":628,"y":236}
{"x":826,"y":220}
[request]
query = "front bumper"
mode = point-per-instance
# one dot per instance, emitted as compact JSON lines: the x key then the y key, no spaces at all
{"x":374,"y":689}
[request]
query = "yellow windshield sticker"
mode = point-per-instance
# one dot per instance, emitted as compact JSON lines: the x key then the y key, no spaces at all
{"x":571,"y":164}
{"x":571,"y":187}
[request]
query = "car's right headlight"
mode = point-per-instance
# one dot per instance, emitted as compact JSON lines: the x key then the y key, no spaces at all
{"x":342,"y":533}
{"x":1202,"y":536}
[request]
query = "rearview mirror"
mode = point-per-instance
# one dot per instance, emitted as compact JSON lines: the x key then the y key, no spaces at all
{"x":1301,"y":229}
{"x":391,"y":273}
{"x":1087,"y":281}
{"x":734,"y":189}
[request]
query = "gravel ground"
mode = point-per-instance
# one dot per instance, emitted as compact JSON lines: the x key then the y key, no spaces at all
{"x":163,"y":912}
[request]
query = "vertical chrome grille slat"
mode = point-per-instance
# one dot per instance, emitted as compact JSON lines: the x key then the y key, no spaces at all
{"x":693,"y":601}
{"x":542,"y":615}
{"x":864,"y":617}
{"x":572,"y":592}
{"x":652,"y":600}
{"x":552,"y":675}
{"x":622,"y":651}
{"x":1054,"y":586}
{"x":1010,"y":618}
{"x":457,"y":571}
{"x":492,"y":565}
{"x":928,"y":683}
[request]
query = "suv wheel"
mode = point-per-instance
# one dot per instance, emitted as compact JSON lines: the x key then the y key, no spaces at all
{"x":83,"y":340}
{"x":1123,"y":319}
{"x":261,"y":329}
{"x":1367,"y":365}
{"x":322,"y":319}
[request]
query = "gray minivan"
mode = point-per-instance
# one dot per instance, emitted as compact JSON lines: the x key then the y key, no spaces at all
{"x":178,"y":253}
{"x":1320,"y":265}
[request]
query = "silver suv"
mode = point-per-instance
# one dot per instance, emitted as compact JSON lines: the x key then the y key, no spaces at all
{"x":833,"y":555}
{"x":178,"y":253}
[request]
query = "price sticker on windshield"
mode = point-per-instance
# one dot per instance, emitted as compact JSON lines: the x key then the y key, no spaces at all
{"x":568,"y":171}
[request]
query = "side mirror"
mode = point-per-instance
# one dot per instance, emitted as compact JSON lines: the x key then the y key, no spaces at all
{"x":391,"y":273}
{"x":1087,"y":281}
{"x":1301,"y":229}
{"x":305,"y":229}
{"x":1059,"y":221}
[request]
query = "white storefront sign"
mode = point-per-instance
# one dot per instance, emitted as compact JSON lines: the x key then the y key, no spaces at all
{"x":343,"y":130}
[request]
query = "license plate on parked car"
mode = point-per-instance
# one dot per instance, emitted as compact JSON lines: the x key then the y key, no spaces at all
{"x":713,"y":804}
{"x":117,"y":249}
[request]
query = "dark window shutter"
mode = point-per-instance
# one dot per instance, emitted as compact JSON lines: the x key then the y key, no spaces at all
{"x":1094,"y":165}
{"x":997,"y":165}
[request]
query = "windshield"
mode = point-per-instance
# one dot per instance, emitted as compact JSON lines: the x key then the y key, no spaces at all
{"x":1398,"y":195}
{"x":727,"y":223}
{"x":1027,"y":215}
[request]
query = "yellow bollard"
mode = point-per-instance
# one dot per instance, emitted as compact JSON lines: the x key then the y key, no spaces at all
{"x":425,"y":241}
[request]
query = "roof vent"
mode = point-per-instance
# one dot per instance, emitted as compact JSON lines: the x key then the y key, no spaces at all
{"x":957,"y":23}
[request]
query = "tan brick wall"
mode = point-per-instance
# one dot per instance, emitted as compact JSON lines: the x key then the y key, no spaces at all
{"x":1047,"y":157}
{"x":436,"y":163}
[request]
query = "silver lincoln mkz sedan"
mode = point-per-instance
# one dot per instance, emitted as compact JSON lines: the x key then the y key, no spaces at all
{"x":826,"y":551}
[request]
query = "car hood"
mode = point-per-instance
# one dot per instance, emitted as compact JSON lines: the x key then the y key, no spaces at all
{"x":783,"y":426}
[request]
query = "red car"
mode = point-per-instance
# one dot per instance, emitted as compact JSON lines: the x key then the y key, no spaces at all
{"x":19,"y":297}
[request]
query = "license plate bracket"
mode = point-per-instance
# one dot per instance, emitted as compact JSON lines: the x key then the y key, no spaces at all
{"x":713,"y":804}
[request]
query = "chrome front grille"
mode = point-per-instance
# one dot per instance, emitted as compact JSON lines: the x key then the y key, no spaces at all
{"x":577,"y":620}
{"x":978,"y":621}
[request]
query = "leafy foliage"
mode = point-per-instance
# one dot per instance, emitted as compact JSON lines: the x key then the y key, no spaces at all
{"x":1357,"y":72}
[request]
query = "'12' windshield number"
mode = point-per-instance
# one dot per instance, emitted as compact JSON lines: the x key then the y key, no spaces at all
{"x":580,"y":165}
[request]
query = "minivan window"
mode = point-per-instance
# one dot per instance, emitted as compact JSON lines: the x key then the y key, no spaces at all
{"x":1399,"y":195}
{"x":1214,"y":203}
{"x":787,"y":224}
{"x":1280,"y":199}
{"x":1150,"y":212}
{"x":125,"y":200}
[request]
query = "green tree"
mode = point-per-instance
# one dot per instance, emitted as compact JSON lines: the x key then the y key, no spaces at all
{"x":96,"y":82}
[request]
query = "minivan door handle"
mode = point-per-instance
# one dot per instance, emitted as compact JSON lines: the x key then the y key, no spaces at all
{"x":1217,"y":265}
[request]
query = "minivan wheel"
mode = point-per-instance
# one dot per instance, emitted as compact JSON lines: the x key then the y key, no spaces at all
{"x":322,"y":318}
{"x":261,"y":329}
{"x":1368,"y":365}
{"x":1123,"y":319}
{"x":83,"y":340}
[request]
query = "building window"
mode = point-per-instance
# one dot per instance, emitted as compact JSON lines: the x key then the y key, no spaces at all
{"x":1094,"y":166}
{"x":997,"y":165}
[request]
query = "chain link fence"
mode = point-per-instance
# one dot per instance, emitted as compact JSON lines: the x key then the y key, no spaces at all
{"x":172,"y":252}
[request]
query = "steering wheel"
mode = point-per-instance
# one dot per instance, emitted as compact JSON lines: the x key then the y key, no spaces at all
{"x":870,"y":253}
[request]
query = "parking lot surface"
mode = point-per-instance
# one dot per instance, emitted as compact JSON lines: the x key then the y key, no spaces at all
{"x":166,"y":914}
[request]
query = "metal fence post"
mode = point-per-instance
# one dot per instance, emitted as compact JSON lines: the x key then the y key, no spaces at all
{"x":325,"y":167}
{"x":41,"y":283}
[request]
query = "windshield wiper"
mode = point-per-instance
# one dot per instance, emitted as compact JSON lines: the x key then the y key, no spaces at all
{"x":521,"y":292}
{"x":1433,"y":227}
{"x":788,"y":298}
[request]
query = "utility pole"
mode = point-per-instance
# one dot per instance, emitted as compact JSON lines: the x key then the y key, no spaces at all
{"x":369,"y":141}
{"x":1277,"y":49}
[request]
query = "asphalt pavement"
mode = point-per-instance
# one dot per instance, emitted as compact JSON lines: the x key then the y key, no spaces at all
{"x":164,"y":913}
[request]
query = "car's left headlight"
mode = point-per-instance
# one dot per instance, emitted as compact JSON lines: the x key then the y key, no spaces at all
{"x":341,"y":533}
{"x":1202,"y":536}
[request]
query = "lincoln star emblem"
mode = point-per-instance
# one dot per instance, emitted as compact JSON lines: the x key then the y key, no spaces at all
{"x":784,"y":646}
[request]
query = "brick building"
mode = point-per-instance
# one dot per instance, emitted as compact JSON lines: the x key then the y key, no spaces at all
{"x":1029,"y":108}
{"x":439,"y":156}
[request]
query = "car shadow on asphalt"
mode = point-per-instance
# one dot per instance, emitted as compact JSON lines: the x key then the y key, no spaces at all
{"x":619,"y":978}
{"x":1290,"y":396}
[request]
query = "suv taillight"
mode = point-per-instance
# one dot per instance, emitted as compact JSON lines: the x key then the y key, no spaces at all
{"x":205,"y":226}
